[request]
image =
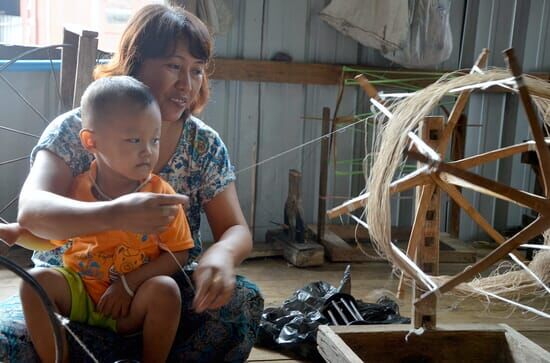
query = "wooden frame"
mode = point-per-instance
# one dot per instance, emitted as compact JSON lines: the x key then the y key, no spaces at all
{"x":449,"y":343}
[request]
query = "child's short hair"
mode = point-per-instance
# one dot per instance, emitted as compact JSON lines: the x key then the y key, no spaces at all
{"x":109,"y":95}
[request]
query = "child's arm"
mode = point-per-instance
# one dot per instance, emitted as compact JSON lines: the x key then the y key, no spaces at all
{"x":163,"y":265}
{"x":116,"y":301}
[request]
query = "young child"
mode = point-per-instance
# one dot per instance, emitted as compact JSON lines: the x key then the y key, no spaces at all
{"x":116,"y":279}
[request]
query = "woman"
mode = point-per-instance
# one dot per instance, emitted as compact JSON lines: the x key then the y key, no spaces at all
{"x":169,"y":50}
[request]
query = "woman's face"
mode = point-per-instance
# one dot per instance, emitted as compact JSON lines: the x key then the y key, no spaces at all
{"x":175,"y":80}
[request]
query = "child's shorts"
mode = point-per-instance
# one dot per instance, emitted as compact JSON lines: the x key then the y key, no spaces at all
{"x":82,"y":306}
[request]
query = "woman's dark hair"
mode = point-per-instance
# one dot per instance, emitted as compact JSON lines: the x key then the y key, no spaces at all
{"x":152,"y":33}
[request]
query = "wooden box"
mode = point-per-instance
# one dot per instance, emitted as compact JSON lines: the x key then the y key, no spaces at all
{"x":448,"y":343}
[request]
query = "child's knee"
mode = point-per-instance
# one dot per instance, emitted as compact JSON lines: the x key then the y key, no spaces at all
{"x":163,"y":290}
{"x":28,"y":289}
{"x":53,"y":284}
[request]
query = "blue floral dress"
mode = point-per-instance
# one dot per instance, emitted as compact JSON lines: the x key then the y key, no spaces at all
{"x":199,"y":168}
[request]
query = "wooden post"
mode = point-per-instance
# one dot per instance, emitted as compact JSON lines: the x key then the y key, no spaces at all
{"x":293,"y":207}
{"x":77,"y":64}
{"x":68,"y":69}
{"x":427,"y":251}
{"x":323,"y":175}
{"x":457,"y":152}
{"x":85,"y":63}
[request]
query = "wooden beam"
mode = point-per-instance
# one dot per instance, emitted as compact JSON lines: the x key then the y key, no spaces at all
{"x":309,"y":73}
{"x":425,"y":247}
{"x":417,"y":232}
{"x":278,"y":72}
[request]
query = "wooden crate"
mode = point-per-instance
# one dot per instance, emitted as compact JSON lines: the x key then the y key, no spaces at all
{"x":447,"y":343}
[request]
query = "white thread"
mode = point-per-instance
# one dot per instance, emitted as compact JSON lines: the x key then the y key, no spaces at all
{"x":65,"y":323}
{"x":505,"y":83}
{"x":381,"y":107}
{"x":424,"y":148}
{"x":529,"y":271}
{"x":418,"y":331}
{"x":521,"y":306}
{"x":476,"y":69}
{"x":538,"y":247}
{"x":107,"y":197}
{"x":298,"y":147}
{"x":126,"y":287}
{"x":383,"y":95}
{"x":165,"y":248}
{"x":424,"y":278}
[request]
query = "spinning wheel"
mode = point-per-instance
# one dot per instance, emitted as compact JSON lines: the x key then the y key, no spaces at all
{"x":437,"y":175}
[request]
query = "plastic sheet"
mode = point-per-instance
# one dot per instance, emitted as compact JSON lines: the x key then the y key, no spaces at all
{"x":293,"y":326}
{"x":429,"y":40}
{"x":414,"y":33}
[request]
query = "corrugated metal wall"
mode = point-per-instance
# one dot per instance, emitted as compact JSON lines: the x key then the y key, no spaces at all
{"x":260,"y":120}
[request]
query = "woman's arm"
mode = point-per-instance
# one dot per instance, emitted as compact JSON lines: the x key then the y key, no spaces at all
{"x":45,"y":210}
{"x":215,"y":275}
{"x":228,"y":225}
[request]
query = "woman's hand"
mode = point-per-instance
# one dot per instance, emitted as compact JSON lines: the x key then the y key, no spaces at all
{"x":9,"y":233}
{"x":115,"y":301}
{"x":146,"y":212}
{"x":214,"y":279}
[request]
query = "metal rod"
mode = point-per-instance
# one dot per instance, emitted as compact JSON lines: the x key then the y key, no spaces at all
{"x":334,"y":321}
{"x":349,"y":309}
{"x":354,"y":308}
{"x":340,"y":312}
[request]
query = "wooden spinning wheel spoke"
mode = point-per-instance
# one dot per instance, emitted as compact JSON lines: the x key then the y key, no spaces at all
{"x":488,"y":186}
{"x":459,"y":105}
{"x":542,"y":151}
{"x":453,"y":192}
{"x":448,"y":176}
{"x":536,"y":227}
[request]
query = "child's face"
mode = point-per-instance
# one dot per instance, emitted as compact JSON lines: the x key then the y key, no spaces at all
{"x":128,"y":143}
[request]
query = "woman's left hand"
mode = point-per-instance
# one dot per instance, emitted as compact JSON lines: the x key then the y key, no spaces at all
{"x":214,"y":280}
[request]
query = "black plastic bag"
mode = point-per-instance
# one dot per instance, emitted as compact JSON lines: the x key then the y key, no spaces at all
{"x":292,"y":327}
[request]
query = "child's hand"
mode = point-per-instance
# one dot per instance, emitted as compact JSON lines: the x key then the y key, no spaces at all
{"x":115,"y":302}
